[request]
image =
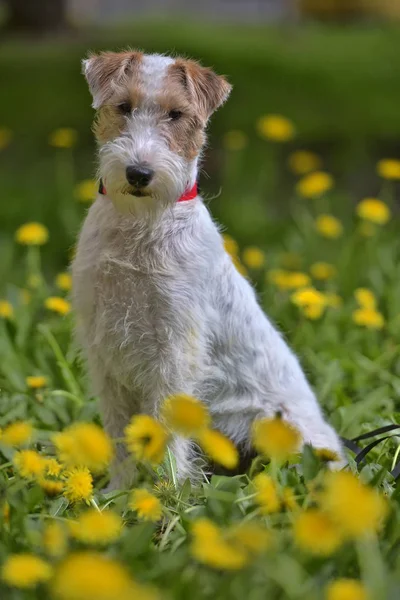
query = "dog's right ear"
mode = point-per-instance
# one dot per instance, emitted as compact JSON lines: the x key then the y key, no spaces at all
{"x":106,"y":71}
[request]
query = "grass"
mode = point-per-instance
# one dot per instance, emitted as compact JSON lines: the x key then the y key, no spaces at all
{"x":354,"y":369}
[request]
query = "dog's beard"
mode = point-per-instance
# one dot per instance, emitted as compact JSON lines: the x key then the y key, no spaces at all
{"x":173,"y":175}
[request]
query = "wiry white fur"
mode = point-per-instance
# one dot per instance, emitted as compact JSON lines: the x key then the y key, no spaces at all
{"x":153,"y":69}
{"x":161,"y":309}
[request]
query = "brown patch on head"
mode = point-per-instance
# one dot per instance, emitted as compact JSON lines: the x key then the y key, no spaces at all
{"x":195,"y":92}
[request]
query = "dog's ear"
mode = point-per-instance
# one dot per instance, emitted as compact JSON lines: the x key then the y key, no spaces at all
{"x":208,"y":90}
{"x":106,"y":71}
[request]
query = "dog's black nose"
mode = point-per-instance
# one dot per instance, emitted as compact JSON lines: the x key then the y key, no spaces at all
{"x":139,"y":176}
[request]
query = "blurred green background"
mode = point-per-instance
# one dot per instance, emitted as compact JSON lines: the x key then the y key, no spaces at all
{"x":331,"y":67}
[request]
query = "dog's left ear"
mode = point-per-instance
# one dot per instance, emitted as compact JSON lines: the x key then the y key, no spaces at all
{"x":104,"y":72}
{"x":207,"y":89}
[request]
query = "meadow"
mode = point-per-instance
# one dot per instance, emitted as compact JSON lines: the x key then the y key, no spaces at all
{"x":307,"y":192}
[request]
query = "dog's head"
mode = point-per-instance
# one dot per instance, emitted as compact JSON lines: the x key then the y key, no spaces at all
{"x":150,"y":124}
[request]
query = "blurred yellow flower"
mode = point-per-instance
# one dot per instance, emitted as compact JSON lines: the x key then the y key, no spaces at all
{"x":235,"y":140}
{"x":53,"y":467}
{"x":333,"y":300}
{"x":91,"y":575}
{"x":6,"y":310}
{"x":84,"y":444}
{"x":231,"y":246}
{"x":96,"y":528}
{"x":346,"y":589}
{"x":218,"y":447}
{"x":58,"y":305}
{"x":289,"y":499}
{"x":78,"y":485}
{"x":210,"y":548}
{"x":64,"y":137}
{"x":365,"y":298}
{"x":313,"y":311}
{"x":54,"y":539}
{"x":308,"y":296}
{"x":5,"y":137}
{"x":275,"y":128}
{"x":250,"y":536}
{"x":239,"y":266}
{"x":64,"y":281}
{"x":25,"y":571}
{"x":86,"y":190}
{"x":288,"y":280}
{"x":32,"y":234}
{"x":253,"y":257}
{"x":326,"y":455}
{"x":302,"y":162}
{"x":374,"y":210}
{"x":17,"y":434}
{"x":315,"y":184}
{"x":36,"y":381}
{"x":355,"y":508}
{"x":389,"y":168}
{"x":51,"y":487}
{"x":184,"y":414}
{"x":146,"y":504}
{"x":368,"y":317}
{"x":323,"y":271}
{"x":275,"y":438}
{"x":328,"y":226}
{"x":29,"y":463}
{"x":267,"y":496}
{"x":146,"y":438}
{"x":314,"y":532}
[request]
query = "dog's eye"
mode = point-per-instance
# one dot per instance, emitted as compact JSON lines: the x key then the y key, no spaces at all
{"x":174,"y":115}
{"x":125,"y":108}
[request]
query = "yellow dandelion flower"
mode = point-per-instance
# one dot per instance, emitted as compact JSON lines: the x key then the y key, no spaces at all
{"x":147,"y":506}
{"x":94,"y":527}
{"x":64,"y":137}
{"x":84,"y":444}
{"x":239,"y":266}
{"x":32,"y":234}
{"x":84,"y":575}
{"x":64,"y":281}
{"x":235,"y":140}
{"x":367,"y":229}
{"x":6,"y":136}
{"x":29,"y":464}
{"x":374,"y":210}
{"x":315,"y":184}
{"x":78,"y":485}
{"x":219,"y":448}
{"x":314,"y":532}
{"x":146,"y":438}
{"x":365,"y":298}
{"x":288,"y":280}
{"x":36,"y":381}
{"x":355,"y":508}
{"x":6,"y":310}
{"x":302,"y":162}
{"x":275,"y":438}
{"x":184,"y":414}
{"x":333,"y":300}
{"x":57,"y":305}
{"x":346,"y":589}
{"x":86,"y":190}
{"x":210,"y":548}
{"x":25,"y":571}
{"x":253,"y":257}
{"x":267,"y":495}
{"x":51,"y":487}
{"x":313,"y":311}
{"x":326,"y":455}
{"x":54,"y":540}
{"x":17,"y":434}
{"x":323,"y":271}
{"x":289,"y":499}
{"x":52,"y":466}
{"x":368,"y":317}
{"x":275,"y":128}
{"x":329,"y":226}
{"x":308,"y":296}
{"x":231,"y":246}
{"x":389,"y":168}
{"x":250,"y":536}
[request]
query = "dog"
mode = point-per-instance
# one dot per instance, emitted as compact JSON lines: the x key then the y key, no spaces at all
{"x":160,"y":307}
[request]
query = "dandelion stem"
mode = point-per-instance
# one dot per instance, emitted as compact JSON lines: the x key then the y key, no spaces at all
{"x":94,"y":504}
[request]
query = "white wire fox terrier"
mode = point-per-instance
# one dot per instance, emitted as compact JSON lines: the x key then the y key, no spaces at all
{"x":161,"y":309}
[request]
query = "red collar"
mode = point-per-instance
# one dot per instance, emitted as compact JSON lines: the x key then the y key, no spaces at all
{"x":188,"y":195}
